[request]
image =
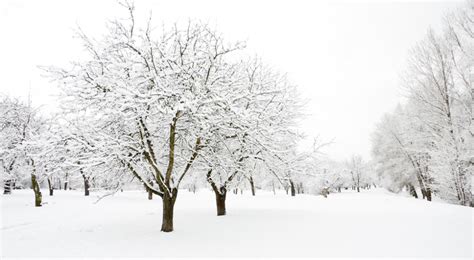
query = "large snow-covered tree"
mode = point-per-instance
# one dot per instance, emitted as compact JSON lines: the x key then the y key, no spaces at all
{"x":154,"y":104}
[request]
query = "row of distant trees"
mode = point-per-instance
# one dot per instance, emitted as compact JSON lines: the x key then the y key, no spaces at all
{"x":161,"y":109}
{"x":321,"y":176}
{"x":428,"y":142}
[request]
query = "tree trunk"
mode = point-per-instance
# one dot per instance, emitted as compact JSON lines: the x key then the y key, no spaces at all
{"x":428,"y":194}
{"x":36,"y":190}
{"x":292,"y":188}
{"x":86,"y":186}
{"x":220,"y":193}
{"x":358,"y":189}
{"x":50,"y":187}
{"x":150,"y":195}
{"x":66,"y":181}
{"x":168,"y":208}
{"x":273,"y":188}
{"x":412,"y":190}
{"x":7,"y":186}
{"x":425,"y":189}
{"x":423,"y":193}
{"x":220,"y":201}
{"x":252,"y":186}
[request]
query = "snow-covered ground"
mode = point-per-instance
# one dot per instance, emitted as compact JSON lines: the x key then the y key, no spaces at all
{"x":369,"y":224}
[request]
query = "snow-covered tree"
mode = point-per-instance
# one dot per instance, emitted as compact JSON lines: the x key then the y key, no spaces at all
{"x":153,"y":105}
{"x":399,"y":152}
{"x":21,"y":145}
{"x":433,"y":133}
{"x":266,"y":106}
{"x":356,"y":168}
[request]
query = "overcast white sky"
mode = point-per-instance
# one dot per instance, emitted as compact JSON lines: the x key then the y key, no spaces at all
{"x":345,"y":56}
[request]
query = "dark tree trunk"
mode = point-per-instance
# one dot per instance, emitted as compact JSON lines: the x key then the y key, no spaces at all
{"x":428,"y":194}
{"x":220,"y":193}
{"x":358,"y":189}
{"x":36,"y":190}
{"x":149,"y":191}
{"x":66,"y":181}
{"x":150,"y":195}
{"x":292,"y":188}
{"x":252,"y":186}
{"x":273,"y":188}
{"x":50,"y":187}
{"x":412,"y":190}
{"x":168,"y":209}
{"x":86,"y":186}
{"x":423,"y":193}
{"x":86,"y":182}
{"x":425,"y":190}
{"x":220,"y":201}
{"x":7,"y":186}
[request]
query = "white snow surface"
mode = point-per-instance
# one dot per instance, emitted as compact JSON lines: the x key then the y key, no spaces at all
{"x":368,"y":224}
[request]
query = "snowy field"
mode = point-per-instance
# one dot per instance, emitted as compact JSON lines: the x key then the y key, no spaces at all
{"x":369,"y":224}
